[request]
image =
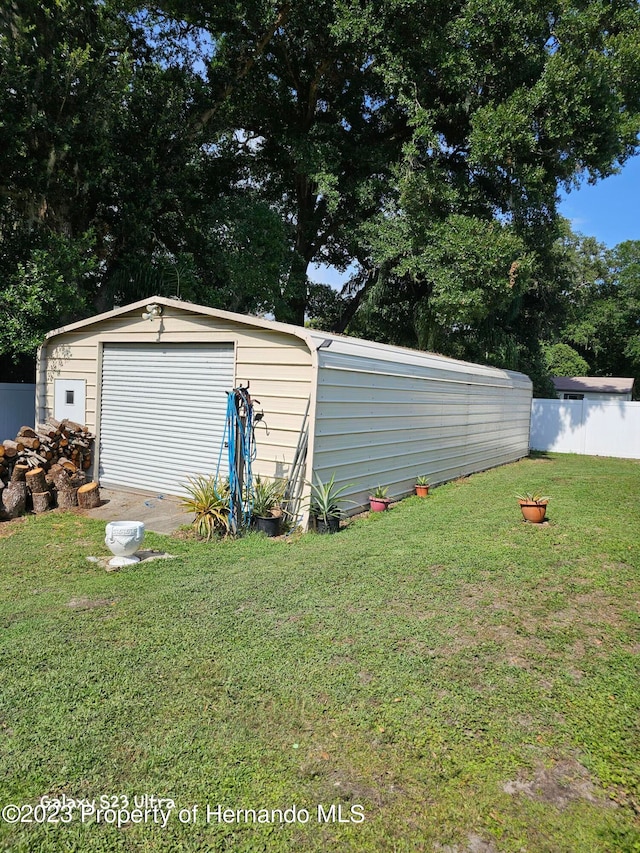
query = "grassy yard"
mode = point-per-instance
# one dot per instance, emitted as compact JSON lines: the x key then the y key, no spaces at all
{"x":464,"y":681}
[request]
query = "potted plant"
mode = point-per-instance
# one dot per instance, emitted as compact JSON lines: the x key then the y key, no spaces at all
{"x":208,"y":498}
{"x":533,"y":506}
{"x":267,"y":515}
{"x":326,"y":504}
{"x":422,"y":487}
{"x":378,"y":501}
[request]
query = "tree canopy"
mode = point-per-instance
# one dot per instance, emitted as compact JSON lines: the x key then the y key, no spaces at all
{"x":216,"y":151}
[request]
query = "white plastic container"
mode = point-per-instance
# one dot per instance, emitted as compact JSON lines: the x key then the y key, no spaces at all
{"x":123,"y":538}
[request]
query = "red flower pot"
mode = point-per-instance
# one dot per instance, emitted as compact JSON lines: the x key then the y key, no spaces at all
{"x":422,"y":491}
{"x":379,"y":504}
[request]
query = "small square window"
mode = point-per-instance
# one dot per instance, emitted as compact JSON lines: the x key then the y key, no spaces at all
{"x":69,"y":398}
{"x":574,"y":396}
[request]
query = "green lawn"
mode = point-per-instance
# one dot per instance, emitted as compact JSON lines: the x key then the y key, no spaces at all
{"x":468,"y":680}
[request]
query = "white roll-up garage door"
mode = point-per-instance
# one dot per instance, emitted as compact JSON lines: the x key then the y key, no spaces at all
{"x":163,"y":409}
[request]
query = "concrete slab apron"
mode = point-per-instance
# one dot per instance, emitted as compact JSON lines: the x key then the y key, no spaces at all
{"x":160,"y":514}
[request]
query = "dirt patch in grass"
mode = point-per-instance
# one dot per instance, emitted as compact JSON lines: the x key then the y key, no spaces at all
{"x":475,"y":844}
{"x":10,"y":526}
{"x":564,"y":782}
{"x":83,"y":602}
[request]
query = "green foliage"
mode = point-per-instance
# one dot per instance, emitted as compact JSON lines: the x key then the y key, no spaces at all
{"x":326,"y":499}
{"x":533,"y":498}
{"x":422,"y":481}
{"x":209,"y":500}
{"x":380,"y":493}
{"x":267,"y":495}
{"x":217,"y":152}
{"x":450,"y":664}
{"x":45,"y":289}
{"x":563,"y":360}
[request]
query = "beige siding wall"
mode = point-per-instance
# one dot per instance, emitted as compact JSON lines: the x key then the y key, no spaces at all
{"x":380,"y":422}
{"x":277,"y":365}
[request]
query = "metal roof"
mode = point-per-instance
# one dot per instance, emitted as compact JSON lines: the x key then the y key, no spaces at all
{"x":315,"y":339}
{"x":599,"y":384}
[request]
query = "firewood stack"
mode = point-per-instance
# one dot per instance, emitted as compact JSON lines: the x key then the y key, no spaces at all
{"x":46,"y":466}
{"x":49,"y":443}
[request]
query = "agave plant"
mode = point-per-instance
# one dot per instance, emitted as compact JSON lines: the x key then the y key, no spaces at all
{"x":267,"y":495}
{"x":380,"y":493}
{"x":422,"y":481}
{"x":533,"y":498}
{"x":209,"y":500}
{"x":326,"y":499}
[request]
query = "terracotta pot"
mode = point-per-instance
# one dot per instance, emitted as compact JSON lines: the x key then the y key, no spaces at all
{"x":534,"y":513}
{"x":422,"y":491}
{"x":379,"y":504}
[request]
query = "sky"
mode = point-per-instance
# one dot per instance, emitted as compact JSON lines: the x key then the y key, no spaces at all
{"x":608,"y":211}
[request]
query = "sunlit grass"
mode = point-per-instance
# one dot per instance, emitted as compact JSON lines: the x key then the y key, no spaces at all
{"x":464,"y":677}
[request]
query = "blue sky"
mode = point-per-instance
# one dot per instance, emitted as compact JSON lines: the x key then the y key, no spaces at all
{"x":608,"y":211}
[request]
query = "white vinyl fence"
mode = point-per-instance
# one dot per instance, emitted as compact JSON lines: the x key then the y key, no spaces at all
{"x":592,"y":427}
{"x":17,"y":408}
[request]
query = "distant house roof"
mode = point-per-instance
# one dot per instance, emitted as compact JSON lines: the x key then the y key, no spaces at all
{"x":598,"y":384}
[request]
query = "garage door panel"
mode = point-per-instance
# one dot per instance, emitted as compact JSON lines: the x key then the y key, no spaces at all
{"x":163,"y":410}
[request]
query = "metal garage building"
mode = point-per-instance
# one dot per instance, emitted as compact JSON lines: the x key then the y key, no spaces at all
{"x":154,"y":390}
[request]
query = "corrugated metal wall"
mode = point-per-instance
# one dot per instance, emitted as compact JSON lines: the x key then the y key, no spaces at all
{"x":17,"y":408}
{"x":385,"y":419}
{"x":277,"y":365}
{"x":163,"y":412}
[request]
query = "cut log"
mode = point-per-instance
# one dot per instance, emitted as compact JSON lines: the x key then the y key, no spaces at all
{"x":77,"y":478}
{"x":67,"y":497}
{"x":53,"y":473}
{"x":2,"y":451}
{"x":18,"y":473}
{"x":73,"y":426}
{"x":10,"y":448}
{"x":89,"y":496}
{"x":27,"y":432}
{"x":41,"y":501}
{"x":14,"y":499}
{"x":29,"y":443}
{"x":46,"y":431}
{"x":36,"y":482}
{"x":68,"y":465}
{"x":66,"y":491}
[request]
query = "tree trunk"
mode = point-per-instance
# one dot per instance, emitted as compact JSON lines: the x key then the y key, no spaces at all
{"x":14,"y":499}
{"x":36,"y":481}
{"x":67,"y":497}
{"x":41,"y":501}
{"x":89,"y":496}
{"x":19,"y":472}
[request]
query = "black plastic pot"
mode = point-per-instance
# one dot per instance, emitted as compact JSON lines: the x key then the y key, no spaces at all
{"x":331,"y":525}
{"x":269,"y":525}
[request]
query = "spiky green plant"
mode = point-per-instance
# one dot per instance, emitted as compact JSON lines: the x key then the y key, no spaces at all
{"x":267,"y":495}
{"x":326,"y":499}
{"x":380,"y":493}
{"x":533,"y":498}
{"x":209,"y":500}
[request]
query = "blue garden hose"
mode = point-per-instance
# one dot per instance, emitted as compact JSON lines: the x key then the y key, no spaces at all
{"x":239,"y":428}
